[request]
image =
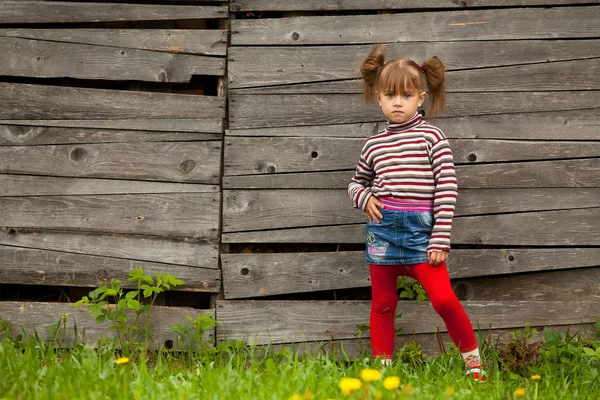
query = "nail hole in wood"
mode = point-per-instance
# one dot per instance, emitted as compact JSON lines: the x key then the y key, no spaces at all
{"x":12,"y":232}
{"x":169,"y":344}
{"x":472,"y":157}
{"x":245,"y":271}
{"x":511,"y":258}
{"x":314,"y":154}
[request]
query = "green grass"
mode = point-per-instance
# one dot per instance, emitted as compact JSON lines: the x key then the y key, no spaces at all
{"x":32,"y":370}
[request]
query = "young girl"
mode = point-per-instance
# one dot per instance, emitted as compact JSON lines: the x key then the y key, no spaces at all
{"x":406,"y":183}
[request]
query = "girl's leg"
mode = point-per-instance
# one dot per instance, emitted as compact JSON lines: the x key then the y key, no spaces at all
{"x":383,"y":307}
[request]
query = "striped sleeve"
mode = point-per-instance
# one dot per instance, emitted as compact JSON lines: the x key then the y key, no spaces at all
{"x":359,"y":188}
{"x":444,"y":200}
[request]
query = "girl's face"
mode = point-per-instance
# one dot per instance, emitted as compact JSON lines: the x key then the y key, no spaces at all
{"x":400,"y":107}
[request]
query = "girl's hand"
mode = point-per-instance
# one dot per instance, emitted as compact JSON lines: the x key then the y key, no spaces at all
{"x":372,"y":209}
{"x":437,"y":257}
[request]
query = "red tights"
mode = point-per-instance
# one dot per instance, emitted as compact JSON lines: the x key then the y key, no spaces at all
{"x":436,"y":282}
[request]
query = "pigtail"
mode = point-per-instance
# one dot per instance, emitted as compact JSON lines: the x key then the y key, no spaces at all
{"x":435,"y":74}
{"x":369,"y":72}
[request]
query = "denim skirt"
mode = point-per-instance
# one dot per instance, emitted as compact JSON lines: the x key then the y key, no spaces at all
{"x":401,"y":237}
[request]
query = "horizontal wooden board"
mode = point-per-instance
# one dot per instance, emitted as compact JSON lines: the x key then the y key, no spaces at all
{"x":493,"y":24}
{"x":24,"y":101}
{"x":214,"y":125}
{"x":263,"y":322}
{"x":197,"y":41}
{"x":543,"y":174}
{"x":482,"y":66}
{"x":256,"y":111}
{"x":168,"y":161}
{"x":299,"y":154}
{"x":566,"y":125}
{"x":38,"y":317}
{"x":174,"y":215}
{"x":266,"y":274}
{"x":338,"y":5}
{"x":36,"y":12}
{"x":248,"y":210}
{"x":45,"y":59}
{"x":28,"y":185}
{"x":188,"y":252}
{"x":26,"y":135}
{"x":44,"y":267}
{"x":544,"y":228}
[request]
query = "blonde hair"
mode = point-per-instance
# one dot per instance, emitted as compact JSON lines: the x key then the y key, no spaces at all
{"x":404,"y":75}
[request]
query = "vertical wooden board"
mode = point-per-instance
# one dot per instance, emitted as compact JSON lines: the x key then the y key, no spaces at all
{"x":25,"y":101}
{"x":166,"y":161}
{"x":493,"y":24}
{"x":189,"y":41}
{"x":193,"y":253}
{"x":173,"y":215}
{"x":38,"y":317}
{"x":43,"y":267}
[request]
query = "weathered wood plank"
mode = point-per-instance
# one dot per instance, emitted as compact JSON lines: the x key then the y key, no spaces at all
{"x":26,"y":185}
{"x":544,"y":228}
{"x":265,"y":274}
{"x":24,"y":101}
{"x":567,"y":125}
{"x":256,"y":111}
{"x":548,"y":174}
{"x":337,"y":67}
{"x":44,"y":59}
{"x":173,"y":215}
{"x":43,"y":267}
{"x":337,"y":5}
{"x":35,"y":12}
{"x":170,"y":161}
{"x":25,"y":135}
{"x":247,"y":210}
{"x":197,"y":41}
{"x":187,"y":252}
{"x":299,"y":154}
{"x":495,"y":24}
{"x":265,"y":321}
{"x":33,"y":316}
{"x":214,"y":125}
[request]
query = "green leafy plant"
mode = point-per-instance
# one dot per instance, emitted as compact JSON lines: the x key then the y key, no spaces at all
{"x":518,"y":355}
{"x":191,"y":336}
{"x":411,"y":289}
{"x":4,"y":328}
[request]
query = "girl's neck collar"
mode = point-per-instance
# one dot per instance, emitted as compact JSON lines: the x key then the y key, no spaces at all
{"x":398,"y":127}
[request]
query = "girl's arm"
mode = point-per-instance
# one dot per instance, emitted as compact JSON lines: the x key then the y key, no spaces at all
{"x":359,"y":188}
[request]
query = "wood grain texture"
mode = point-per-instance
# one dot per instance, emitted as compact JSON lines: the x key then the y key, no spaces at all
{"x":265,"y":321}
{"x":577,"y":228}
{"x":566,"y":125}
{"x":284,"y":155}
{"x":522,"y":78}
{"x":27,"y":135}
{"x":25,"y":101}
{"x":168,"y":161}
{"x":34,"y":316}
{"x":171,"y":215}
{"x":337,"y":5}
{"x":35,"y":12}
{"x":43,"y":267}
{"x":44,"y":59}
{"x":256,"y":111}
{"x":211,"y":42}
{"x":494,"y":24}
{"x":248,"y":210}
{"x":200,"y":125}
{"x":543,"y":174}
{"x":185,"y":251}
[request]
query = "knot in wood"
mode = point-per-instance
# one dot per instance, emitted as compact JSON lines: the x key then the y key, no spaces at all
{"x":78,"y":154}
{"x":187,"y":166}
{"x":472,"y":157}
{"x":295,"y":36}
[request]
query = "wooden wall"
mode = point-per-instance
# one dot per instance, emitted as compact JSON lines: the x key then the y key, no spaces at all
{"x":111,"y":131}
{"x":523,"y":122}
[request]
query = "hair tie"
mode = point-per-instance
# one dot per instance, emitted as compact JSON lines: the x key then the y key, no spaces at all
{"x":421,"y":66}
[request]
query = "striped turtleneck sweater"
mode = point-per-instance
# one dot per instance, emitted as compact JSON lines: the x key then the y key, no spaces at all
{"x":411,"y":161}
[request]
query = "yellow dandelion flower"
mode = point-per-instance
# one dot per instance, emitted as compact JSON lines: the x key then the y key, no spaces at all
{"x":296,"y":397}
{"x":407,"y":389}
{"x":391,"y":382}
{"x":536,"y":377}
{"x":370,"y":375}
{"x":123,"y":360}
{"x":349,"y":385}
{"x":520,"y":392}
{"x":450,"y":390}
